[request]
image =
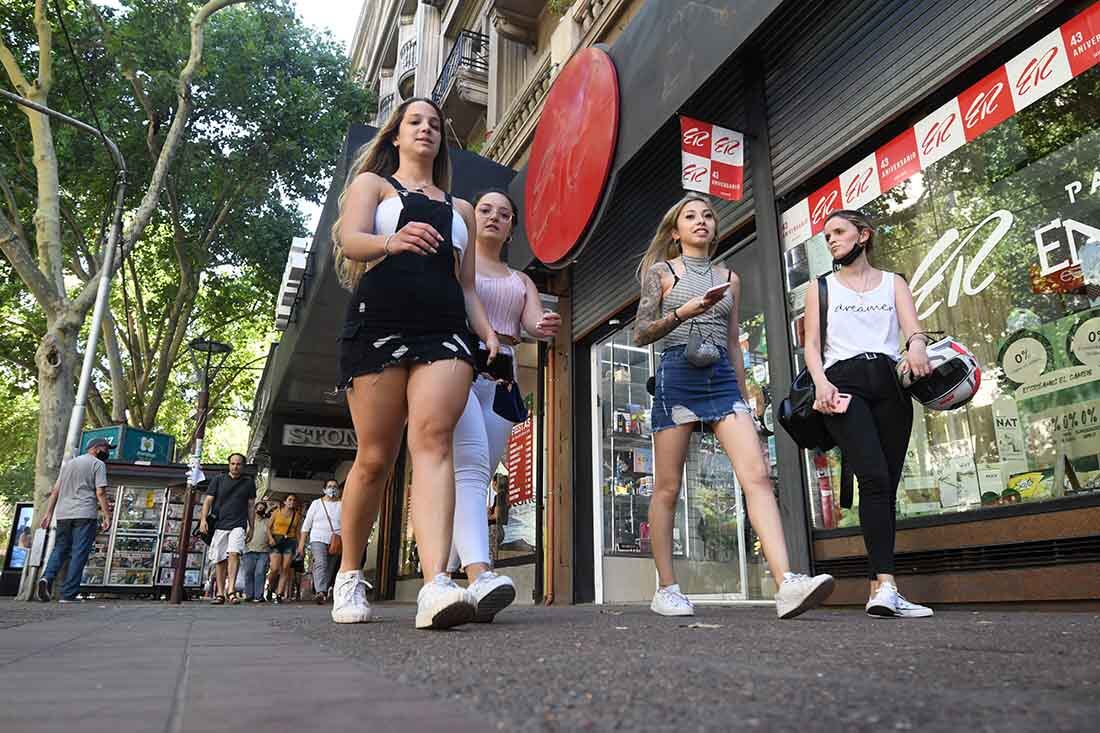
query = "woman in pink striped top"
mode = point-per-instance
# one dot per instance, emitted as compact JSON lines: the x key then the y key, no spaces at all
{"x":495,"y":403}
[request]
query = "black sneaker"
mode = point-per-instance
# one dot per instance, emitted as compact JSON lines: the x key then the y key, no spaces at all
{"x":44,"y":590}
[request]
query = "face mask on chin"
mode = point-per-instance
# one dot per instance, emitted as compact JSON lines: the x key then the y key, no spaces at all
{"x":852,"y":256}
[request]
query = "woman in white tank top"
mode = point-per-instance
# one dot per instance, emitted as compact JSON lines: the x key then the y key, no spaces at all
{"x":494,"y":404}
{"x":857,"y":390}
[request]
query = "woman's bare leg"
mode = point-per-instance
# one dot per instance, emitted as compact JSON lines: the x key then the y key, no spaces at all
{"x":737,"y":434}
{"x":437,"y":395}
{"x":669,"y":452}
{"x":378,"y":410}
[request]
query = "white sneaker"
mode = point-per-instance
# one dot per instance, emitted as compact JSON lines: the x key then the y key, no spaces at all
{"x":492,"y":594}
{"x":441,"y":604}
{"x":799,"y":593}
{"x":349,"y":598}
{"x":669,"y":601}
{"x":884,"y":604}
{"x":906,"y":609}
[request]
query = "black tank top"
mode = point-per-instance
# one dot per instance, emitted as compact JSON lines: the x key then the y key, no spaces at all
{"x":409,"y":293}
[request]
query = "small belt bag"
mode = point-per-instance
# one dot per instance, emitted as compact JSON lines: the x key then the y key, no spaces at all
{"x":700,"y":350}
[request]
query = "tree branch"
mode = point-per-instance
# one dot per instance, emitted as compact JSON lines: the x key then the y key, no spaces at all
{"x":115,"y":369}
{"x":45,"y":48}
{"x":184,"y":106}
{"x":15,"y":74}
{"x":13,"y":208}
{"x":17,"y":251}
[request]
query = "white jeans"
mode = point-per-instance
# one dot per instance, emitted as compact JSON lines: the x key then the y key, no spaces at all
{"x":480,"y":440}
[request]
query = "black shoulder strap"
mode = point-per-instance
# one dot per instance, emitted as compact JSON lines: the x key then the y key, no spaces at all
{"x":447,"y":198}
{"x":823,"y":309}
{"x":675,"y":277}
{"x":729,"y":276}
{"x":401,"y":190}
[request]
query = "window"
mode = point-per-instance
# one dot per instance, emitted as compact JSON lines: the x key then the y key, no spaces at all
{"x":999,"y":242}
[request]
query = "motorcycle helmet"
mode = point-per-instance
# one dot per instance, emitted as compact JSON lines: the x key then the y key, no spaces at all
{"x":954,"y":380}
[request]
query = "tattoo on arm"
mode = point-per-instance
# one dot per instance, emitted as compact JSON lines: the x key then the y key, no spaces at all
{"x":648,"y":324}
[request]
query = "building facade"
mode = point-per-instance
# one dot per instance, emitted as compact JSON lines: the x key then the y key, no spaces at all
{"x":973,"y":144}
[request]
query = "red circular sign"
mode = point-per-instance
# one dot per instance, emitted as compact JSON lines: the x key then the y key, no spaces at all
{"x":571,"y":155}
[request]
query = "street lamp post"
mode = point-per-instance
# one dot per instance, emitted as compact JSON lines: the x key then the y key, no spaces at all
{"x":203,"y":351}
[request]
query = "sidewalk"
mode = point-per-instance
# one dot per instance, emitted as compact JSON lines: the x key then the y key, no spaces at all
{"x":137,"y":666}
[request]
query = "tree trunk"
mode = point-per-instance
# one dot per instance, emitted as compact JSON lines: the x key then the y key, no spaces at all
{"x":58,"y":365}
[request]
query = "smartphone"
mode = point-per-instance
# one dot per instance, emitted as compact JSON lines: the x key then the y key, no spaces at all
{"x":842,"y":401}
{"x":717,"y":290}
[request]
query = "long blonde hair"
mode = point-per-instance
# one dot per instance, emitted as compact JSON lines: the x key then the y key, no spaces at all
{"x":381,"y":156}
{"x":664,"y":247}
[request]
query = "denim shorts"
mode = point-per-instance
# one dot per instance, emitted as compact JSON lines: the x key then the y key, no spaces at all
{"x":686,"y":394}
{"x":285,"y":546}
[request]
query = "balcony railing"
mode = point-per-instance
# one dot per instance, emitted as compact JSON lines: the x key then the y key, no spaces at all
{"x":471,"y":54}
{"x":406,"y":56}
{"x":385,"y":107}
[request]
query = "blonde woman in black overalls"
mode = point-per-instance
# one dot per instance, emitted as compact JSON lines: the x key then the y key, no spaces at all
{"x":404,"y":248}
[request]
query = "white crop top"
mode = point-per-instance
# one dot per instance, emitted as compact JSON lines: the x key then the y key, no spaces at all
{"x":388,"y":211}
{"x":861,"y":322}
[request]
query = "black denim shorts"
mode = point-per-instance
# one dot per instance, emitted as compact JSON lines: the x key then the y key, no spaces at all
{"x":364,"y":350}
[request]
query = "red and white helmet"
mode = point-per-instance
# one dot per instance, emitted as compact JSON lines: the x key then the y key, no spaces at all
{"x":954,"y":380}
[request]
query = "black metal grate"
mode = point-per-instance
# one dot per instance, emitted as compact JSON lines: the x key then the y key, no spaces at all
{"x":471,"y":51}
{"x":1040,"y":553}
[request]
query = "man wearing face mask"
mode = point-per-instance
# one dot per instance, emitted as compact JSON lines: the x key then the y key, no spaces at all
{"x":321,"y":525}
{"x":81,"y":485}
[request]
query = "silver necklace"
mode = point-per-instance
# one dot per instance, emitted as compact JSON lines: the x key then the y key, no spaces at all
{"x":687,"y":266}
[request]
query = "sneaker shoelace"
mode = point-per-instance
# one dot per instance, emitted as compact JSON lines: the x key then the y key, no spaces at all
{"x":357,"y":594}
{"x":796,"y":578}
{"x":678,"y":599}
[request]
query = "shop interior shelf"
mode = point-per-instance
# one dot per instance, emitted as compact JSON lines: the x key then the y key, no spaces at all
{"x":632,"y":438}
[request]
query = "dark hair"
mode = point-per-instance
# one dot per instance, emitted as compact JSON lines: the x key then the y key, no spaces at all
{"x":243,"y":459}
{"x":511,"y":202}
{"x":860,"y":222}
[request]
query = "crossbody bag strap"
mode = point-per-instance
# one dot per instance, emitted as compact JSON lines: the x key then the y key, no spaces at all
{"x":823,"y":310}
{"x":325,"y":510}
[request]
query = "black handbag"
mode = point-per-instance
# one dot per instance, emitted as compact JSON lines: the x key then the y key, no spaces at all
{"x":796,"y":413}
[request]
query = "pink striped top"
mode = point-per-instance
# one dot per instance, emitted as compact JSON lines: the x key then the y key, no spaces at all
{"x":504,"y":298}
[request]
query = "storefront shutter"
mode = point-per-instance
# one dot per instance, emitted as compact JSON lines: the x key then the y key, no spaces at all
{"x":838,"y":71}
{"x":603,"y":275}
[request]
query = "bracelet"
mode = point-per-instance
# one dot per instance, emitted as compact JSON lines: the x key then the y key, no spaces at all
{"x":925,"y":334}
{"x":677,"y":316}
{"x":386,"y":246}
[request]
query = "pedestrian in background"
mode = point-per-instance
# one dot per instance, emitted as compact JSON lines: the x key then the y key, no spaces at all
{"x":690,"y":305}
{"x":320,"y":530}
{"x":80,"y":487}
{"x":230,"y":499}
{"x":404,"y":247}
{"x":285,"y":523}
{"x":256,"y":555}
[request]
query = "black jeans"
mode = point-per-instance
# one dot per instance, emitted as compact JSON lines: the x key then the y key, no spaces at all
{"x":873,"y":436}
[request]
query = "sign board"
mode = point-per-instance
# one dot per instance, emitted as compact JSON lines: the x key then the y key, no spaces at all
{"x":319,"y":436}
{"x":518,"y":462}
{"x":712,"y":159}
{"x":133,"y":445}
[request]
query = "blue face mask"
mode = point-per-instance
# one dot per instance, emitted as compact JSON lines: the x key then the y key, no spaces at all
{"x":331,"y":491}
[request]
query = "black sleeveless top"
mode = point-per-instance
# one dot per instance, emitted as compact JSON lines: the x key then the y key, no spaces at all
{"x":412,"y":294}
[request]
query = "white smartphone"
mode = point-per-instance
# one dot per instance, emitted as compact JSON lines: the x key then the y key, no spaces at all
{"x":717,"y":290}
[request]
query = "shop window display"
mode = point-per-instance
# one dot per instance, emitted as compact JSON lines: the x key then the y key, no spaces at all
{"x":1000,"y":243}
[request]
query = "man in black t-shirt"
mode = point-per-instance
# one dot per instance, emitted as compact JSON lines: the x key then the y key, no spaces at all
{"x":232,"y":499}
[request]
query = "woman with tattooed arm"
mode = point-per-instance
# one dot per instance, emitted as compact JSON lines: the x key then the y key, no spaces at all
{"x":700,"y":379}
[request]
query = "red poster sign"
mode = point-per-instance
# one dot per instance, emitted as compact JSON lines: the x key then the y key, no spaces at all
{"x":986,"y":104}
{"x":1082,"y":39}
{"x":521,"y":484}
{"x":712,"y":159}
{"x":823,"y":202}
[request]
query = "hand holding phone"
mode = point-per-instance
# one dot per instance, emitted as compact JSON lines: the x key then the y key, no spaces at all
{"x":717,"y":292}
{"x":843,"y":399}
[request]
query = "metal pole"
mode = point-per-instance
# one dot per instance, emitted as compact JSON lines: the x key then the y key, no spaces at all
{"x":106,"y":272}
{"x":188,"y":495}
